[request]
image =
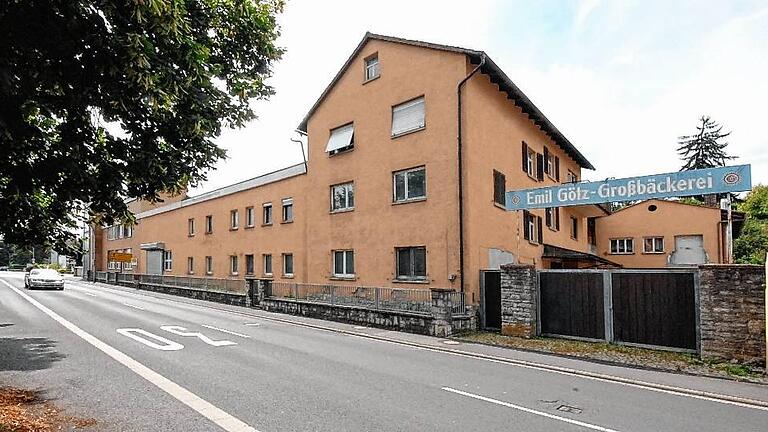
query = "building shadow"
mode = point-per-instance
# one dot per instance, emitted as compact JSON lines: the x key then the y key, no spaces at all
{"x":27,"y":354}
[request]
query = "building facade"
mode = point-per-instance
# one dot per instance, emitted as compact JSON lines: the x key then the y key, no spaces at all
{"x":410,"y":150}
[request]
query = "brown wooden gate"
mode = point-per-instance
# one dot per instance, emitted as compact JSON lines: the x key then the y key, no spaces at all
{"x":572,"y":304}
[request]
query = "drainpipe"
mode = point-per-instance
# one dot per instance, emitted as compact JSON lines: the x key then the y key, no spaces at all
{"x":301,"y":144}
{"x":461,"y":171}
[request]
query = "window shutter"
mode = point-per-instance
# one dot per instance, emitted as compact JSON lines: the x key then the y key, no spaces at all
{"x":557,"y":168}
{"x":539,"y":230}
{"x":340,"y":138}
{"x":526,"y":215}
{"x":546,"y":161}
{"x":539,"y":167}
{"x":408,"y":116}
{"x":557,"y":218}
{"x":525,"y":157}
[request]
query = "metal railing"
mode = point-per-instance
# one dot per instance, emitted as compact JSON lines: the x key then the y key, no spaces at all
{"x":376,"y":298}
{"x":458,"y":307}
{"x":101,"y":276}
{"x":233,"y":286}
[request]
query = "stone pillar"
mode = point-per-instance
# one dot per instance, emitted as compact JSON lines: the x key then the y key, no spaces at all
{"x":441,"y":312}
{"x":518,"y":300}
{"x":732,"y":312}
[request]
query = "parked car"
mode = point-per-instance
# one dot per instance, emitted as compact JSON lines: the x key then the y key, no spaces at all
{"x":3,"y":268}
{"x":43,"y":278}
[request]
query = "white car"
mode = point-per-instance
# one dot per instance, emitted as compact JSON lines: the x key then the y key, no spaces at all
{"x":43,"y":278}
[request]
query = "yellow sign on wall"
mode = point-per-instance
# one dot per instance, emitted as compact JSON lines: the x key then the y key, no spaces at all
{"x":119,"y":257}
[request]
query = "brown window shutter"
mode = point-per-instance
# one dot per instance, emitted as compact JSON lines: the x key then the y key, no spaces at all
{"x":540,"y":231}
{"x":546,"y":160}
{"x":539,"y":167}
{"x":557,"y":218}
{"x":557,"y":168}
{"x":525,"y":157}
{"x":526,"y":215}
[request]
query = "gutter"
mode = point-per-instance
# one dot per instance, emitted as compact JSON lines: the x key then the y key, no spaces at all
{"x":461,"y":171}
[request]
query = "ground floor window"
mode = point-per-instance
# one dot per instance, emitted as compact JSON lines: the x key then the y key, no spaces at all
{"x":167,"y":260}
{"x":267,"y":258}
{"x":287,"y":264}
{"x":249,"y":264}
{"x":190,"y":265}
{"x":344,"y":263}
{"x":412,"y":263}
{"x":653,"y":245}
{"x":209,"y":265}
{"x":233,"y":265}
{"x":622,"y":246}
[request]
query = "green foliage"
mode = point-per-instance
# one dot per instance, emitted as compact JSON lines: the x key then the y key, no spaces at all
{"x":691,"y":201}
{"x":110,"y":99}
{"x":704,"y":149}
{"x":752,"y":244}
{"x":756,"y":203}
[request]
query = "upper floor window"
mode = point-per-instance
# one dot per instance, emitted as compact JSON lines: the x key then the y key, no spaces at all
{"x":234,"y":219}
{"x":574,"y":228}
{"x":653,"y":245}
{"x":411,"y":263}
{"x":533,"y":163}
{"x":410,"y":184}
{"x":372,"y":67}
{"x":208,"y":224}
{"x":344,"y":263}
{"x":552,"y":217}
{"x":551,"y":165}
{"x":341,"y":139}
{"x":167,"y":260}
{"x":571,"y":177}
{"x":343,"y":197}
{"x":287,"y":210}
{"x":190,"y":226}
{"x":249,"y":218}
{"x":532,"y":228}
{"x":408,"y":117}
{"x":267,"y":214}
{"x":622,"y":246}
{"x":499,"y":187}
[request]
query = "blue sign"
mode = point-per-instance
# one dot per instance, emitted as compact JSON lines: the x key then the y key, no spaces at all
{"x":684,"y":183}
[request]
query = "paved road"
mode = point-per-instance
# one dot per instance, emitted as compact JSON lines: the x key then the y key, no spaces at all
{"x":141,"y":362}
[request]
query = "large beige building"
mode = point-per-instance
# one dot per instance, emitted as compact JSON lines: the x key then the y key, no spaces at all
{"x":410,"y":150}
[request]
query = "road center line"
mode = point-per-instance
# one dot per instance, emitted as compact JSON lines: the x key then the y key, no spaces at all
{"x":226,"y":331}
{"x":133,"y":306}
{"x":530,"y":411}
{"x":224,"y":420}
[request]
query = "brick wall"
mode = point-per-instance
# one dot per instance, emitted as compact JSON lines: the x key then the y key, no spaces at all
{"x":518,"y":300}
{"x":732,"y":312}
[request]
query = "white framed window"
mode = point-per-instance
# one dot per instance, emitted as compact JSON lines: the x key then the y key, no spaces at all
{"x":190,"y":227}
{"x":266,"y":213}
{"x":343,"y":197}
{"x":342,"y":138}
{"x":233,"y":265}
{"x":287,"y":210}
{"x":530,"y":163}
{"x":127,"y":231}
{"x":372,"y":67}
{"x":287,"y":264}
{"x":552,"y":218}
{"x":209,"y":265}
{"x":209,"y":224}
{"x":129,"y":265}
{"x":190,"y":265}
{"x":408,"y":117}
{"x":344,"y":263}
{"x":249,"y":264}
{"x":622,"y":246}
{"x":411,"y":263}
{"x":532,"y":228}
{"x":249,"y":218}
{"x":410,"y":184}
{"x":574,"y":228}
{"x":234,"y":219}
{"x":571,"y":177}
{"x":653,"y":245}
{"x":267,"y":264}
{"x":167,"y":260}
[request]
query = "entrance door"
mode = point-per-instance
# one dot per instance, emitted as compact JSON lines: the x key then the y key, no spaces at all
{"x":490,"y":285}
{"x":154,"y":262}
{"x":689,"y":249}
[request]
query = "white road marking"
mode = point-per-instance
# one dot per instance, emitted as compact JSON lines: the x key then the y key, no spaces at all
{"x":530,"y":411}
{"x":181,"y":331}
{"x":226,"y":331}
{"x":224,"y":420}
{"x":133,"y":306}
{"x":133,"y":333}
{"x":252,"y":324}
{"x":359,"y":327}
{"x":451,"y":342}
{"x":89,"y":293}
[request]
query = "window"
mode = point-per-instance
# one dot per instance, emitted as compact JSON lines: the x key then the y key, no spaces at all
{"x":208,"y":224}
{"x":574,"y":228}
{"x":529,"y":160}
{"x":653,"y":245}
{"x":372,"y":67}
{"x":532,"y":228}
{"x":167,"y":260}
{"x":343,"y":197}
{"x":341,"y":139}
{"x":287,"y":264}
{"x":410,"y":184}
{"x":408,"y":117}
{"x":190,"y":265}
{"x":551,"y":165}
{"x":267,"y":214}
{"x":267,"y":264}
{"x":411,"y":263}
{"x":209,"y":265}
{"x":233,"y":265}
{"x":287,"y":210}
{"x":622,"y":246}
{"x":249,"y":265}
{"x":190,"y":227}
{"x":127,"y":231}
{"x":499,"y":187}
{"x":110,"y":233}
{"x":552,"y":218}
{"x":249,"y":219}
{"x":344,"y":263}
{"x":234,"y":219}
{"x":571,"y":177}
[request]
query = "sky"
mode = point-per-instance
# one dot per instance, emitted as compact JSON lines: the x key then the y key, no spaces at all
{"x":621,"y":79}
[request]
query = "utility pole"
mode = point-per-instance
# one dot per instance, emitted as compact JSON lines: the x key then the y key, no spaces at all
{"x":726,"y":203}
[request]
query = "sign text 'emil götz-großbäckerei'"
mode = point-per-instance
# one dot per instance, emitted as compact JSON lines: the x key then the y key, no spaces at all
{"x":684,"y":183}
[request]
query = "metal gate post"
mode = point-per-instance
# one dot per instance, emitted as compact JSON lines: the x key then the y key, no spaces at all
{"x":608,"y":305}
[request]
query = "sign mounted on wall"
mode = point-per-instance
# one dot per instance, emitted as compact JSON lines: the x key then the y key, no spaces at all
{"x":736,"y":178}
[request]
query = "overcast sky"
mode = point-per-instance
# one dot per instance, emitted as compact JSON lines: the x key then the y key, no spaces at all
{"x":621,"y":79}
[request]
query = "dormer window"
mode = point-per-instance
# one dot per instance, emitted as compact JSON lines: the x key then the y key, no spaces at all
{"x":372,"y":67}
{"x":342,"y":139}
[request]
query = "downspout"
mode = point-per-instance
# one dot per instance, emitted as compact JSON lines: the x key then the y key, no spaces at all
{"x":461,"y":171}
{"x":301,"y":144}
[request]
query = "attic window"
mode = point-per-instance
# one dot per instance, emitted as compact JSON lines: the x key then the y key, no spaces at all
{"x":342,"y":139}
{"x":372,"y":67}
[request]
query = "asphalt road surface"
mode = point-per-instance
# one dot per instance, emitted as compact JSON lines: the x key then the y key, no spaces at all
{"x":140,"y":361}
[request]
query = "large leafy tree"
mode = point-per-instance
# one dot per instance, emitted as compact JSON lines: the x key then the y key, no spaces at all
{"x":705,"y":148}
{"x":752,"y":244}
{"x":105,"y":100}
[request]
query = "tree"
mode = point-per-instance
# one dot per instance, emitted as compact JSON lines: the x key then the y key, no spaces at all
{"x":752,"y":244}
{"x":704,"y":149}
{"x":105,"y":100}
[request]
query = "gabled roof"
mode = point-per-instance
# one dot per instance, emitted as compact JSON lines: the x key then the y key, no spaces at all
{"x":489,"y":68}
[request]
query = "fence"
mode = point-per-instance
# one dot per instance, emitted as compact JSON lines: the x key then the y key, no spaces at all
{"x":232,"y":286}
{"x":100,"y":276}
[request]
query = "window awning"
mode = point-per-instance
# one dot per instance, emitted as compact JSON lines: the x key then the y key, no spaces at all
{"x":340,"y":138}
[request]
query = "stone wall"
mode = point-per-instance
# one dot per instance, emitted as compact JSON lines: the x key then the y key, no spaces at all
{"x":732,"y":312}
{"x":214,"y":296}
{"x":518,"y":300}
